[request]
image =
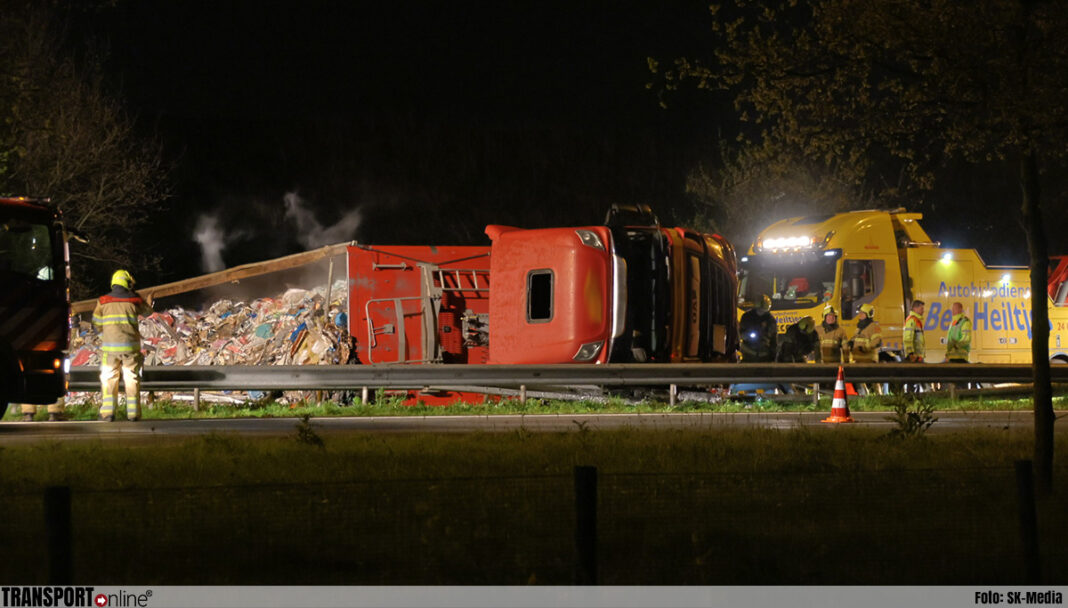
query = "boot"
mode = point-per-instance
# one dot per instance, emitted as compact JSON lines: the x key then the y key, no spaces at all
{"x":110,"y":418}
{"x":133,"y":418}
{"x":54,"y":417}
{"x":27,"y":417}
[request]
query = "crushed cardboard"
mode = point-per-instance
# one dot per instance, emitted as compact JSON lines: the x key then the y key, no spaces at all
{"x":297,"y":327}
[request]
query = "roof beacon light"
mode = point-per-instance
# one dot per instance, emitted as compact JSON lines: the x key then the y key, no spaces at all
{"x":1005,"y":278}
{"x":947,"y":257}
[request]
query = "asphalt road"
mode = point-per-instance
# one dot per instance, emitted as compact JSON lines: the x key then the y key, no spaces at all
{"x":948,"y":422}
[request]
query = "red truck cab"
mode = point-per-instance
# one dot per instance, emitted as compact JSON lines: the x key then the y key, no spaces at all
{"x":626,"y":292}
{"x":559,"y":295}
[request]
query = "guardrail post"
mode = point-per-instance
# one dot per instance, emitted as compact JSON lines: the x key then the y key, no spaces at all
{"x":586,"y":525}
{"x":522,"y":393}
{"x":196,"y":400}
{"x":1025,"y":492}
{"x":816,"y":394}
{"x":953,"y":391}
{"x":58,"y":531}
{"x":363,"y":396}
{"x":673,"y":394}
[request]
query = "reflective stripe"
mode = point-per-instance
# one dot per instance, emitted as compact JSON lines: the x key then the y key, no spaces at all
{"x":120,"y":348}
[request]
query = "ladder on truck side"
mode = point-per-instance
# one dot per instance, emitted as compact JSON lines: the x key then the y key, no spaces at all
{"x":422,"y":309}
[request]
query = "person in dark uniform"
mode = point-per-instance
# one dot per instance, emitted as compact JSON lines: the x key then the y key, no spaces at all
{"x":799,"y":341}
{"x":759,"y":333}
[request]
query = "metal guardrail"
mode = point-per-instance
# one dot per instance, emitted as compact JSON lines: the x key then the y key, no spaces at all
{"x":338,"y":377}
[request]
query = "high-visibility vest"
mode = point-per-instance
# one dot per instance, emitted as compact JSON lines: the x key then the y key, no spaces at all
{"x":912,"y":335}
{"x":959,"y":338}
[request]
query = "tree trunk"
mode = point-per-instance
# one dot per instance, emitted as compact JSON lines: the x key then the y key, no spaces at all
{"x":1043,"y":395}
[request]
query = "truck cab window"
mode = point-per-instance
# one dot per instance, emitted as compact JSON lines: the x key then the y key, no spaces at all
{"x":862,"y":281}
{"x":26,"y":249}
{"x":540,"y":296}
{"x":796,"y":282}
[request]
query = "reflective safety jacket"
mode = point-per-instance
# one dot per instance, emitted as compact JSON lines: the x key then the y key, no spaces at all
{"x":832,"y":343}
{"x":115,"y":317}
{"x":867,"y":342}
{"x":912,"y":336}
{"x":959,"y":338}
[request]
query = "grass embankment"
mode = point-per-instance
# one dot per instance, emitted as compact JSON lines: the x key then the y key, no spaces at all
{"x":714,"y":507}
{"x":384,"y":406}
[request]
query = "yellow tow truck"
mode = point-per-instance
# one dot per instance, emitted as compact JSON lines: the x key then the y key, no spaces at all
{"x":886,"y":259}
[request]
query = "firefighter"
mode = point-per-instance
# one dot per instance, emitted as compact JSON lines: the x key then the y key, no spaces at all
{"x":832,"y":338}
{"x":798,"y":342}
{"x":759,"y":332}
{"x":959,"y":338}
{"x":115,"y":317}
{"x":55,"y":411}
{"x":912,"y":334}
{"x":865,"y":345}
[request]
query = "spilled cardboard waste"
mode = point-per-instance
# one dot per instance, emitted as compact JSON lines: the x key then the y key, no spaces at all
{"x":297,"y":327}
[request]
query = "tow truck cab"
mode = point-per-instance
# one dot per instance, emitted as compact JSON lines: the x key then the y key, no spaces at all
{"x":886,"y":259}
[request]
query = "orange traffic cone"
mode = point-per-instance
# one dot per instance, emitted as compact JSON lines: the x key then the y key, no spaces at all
{"x":839,"y":407}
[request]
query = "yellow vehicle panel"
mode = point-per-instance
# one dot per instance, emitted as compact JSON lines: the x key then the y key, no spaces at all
{"x":874,"y":257}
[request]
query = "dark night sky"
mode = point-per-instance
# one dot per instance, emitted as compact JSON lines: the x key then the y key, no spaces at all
{"x":431,"y":118}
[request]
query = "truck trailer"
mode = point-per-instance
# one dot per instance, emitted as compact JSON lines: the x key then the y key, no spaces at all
{"x":35,"y":302}
{"x":886,"y":259}
{"x":618,"y":292}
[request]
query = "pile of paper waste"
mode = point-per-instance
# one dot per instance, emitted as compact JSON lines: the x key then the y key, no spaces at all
{"x":297,"y":327}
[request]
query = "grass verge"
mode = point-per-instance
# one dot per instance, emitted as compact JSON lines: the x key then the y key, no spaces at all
{"x":385,"y":406}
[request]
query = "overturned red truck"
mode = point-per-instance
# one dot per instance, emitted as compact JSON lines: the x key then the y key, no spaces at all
{"x":624,"y":292}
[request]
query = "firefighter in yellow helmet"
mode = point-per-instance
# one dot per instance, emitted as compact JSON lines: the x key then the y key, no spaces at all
{"x":115,"y":317}
{"x":865,"y":345}
{"x":832,"y":338}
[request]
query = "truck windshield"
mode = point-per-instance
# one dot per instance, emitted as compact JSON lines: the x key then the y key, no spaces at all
{"x":26,"y":249}
{"x":797,"y":281}
{"x":645,"y":337}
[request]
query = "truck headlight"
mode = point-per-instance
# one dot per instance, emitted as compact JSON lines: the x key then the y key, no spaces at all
{"x":589,"y":238}
{"x":588,"y":351}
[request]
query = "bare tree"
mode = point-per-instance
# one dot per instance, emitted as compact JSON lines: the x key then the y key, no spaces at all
{"x":66,"y":138}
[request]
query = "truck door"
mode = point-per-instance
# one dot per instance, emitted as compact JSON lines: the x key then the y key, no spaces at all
{"x":862,"y":283}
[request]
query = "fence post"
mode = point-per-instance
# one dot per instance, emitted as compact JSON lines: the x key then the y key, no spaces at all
{"x":1025,"y":493}
{"x":58,"y":531}
{"x":586,"y":525}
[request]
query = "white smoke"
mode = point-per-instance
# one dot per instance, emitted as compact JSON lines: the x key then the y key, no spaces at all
{"x":212,"y":240}
{"x":311,"y":233}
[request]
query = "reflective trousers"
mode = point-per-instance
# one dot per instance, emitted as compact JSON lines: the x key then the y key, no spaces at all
{"x":128,"y":365}
{"x":53,"y":408}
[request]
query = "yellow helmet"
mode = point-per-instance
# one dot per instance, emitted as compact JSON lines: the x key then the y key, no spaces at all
{"x":807,"y":324}
{"x":121,"y":277}
{"x":829,"y":310}
{"x":764,"y":302}
{"x":868,"y":309}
